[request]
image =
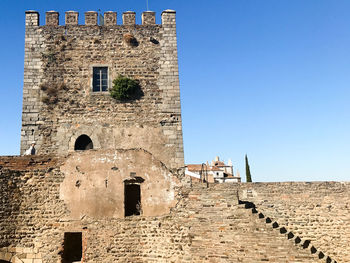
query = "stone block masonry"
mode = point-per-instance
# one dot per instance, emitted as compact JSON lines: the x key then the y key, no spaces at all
{"x":59,"y":104}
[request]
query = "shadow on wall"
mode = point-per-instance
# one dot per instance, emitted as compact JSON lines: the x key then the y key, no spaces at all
{"x":72,"y":247}
{"x":289,"y":234}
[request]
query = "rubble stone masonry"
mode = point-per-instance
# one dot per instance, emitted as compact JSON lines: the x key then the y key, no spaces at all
{"x":256,"y":222}
{"x":137,"y":155}
{"x":59,"y":104}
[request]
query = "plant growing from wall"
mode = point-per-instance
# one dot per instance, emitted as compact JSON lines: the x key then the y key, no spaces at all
{"x":51,"y":92}
{"x":49,"y":57}
{"x":247,"y":170}
{"x":124,"y":88}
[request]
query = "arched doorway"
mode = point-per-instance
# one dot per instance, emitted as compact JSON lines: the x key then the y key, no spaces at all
{"x":83,"y":143}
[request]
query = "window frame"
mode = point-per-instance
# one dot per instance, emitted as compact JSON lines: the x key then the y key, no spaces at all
{"x":92,"y":79}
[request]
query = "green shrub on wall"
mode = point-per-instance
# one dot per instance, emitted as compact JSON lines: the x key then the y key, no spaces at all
{"x":124,"y":88}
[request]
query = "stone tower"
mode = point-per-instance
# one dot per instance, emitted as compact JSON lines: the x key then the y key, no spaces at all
{"x":68,"y":70}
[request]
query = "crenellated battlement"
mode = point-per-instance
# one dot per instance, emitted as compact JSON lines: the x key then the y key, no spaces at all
{"x":91,"y":18}
{"x":70,"y":66}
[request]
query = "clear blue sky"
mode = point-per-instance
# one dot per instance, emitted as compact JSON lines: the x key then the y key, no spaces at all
{"x":268,"y":78}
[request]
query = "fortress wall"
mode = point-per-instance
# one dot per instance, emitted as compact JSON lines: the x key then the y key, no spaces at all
{"x":30,"y":200}
{"x":59,"y":104}
{"x":19,"y":200}
{"x":222,"y":230}
{"x":315,"y":211}
{"x":40,"y":202}
{"x":206,"y":224}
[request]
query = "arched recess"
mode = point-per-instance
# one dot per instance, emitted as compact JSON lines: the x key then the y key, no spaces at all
{"x":83,"y":142}
{"x":91,"y":132}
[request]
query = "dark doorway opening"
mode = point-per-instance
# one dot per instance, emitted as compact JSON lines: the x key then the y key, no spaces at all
{"x":132,"y":199}
{"x":4,"y":261}
{"x":72,"y":247}
{"x":83,"y":143}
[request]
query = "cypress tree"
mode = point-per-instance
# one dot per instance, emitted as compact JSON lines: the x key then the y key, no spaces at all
{"x":247,"y":170}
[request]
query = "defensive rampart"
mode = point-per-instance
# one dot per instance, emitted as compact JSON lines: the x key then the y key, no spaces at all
{"x":318,"y":212}
{"x":275,"y":222}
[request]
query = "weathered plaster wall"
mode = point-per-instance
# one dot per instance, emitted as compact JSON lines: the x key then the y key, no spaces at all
{"x":203,"y":225}
{"x":58,"y":102}
{"x":40,"y":201}
{"x":94,"y":183}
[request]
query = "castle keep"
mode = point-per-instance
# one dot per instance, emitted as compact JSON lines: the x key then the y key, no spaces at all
{"x":108,"y":182}
{"x":69,"y":68}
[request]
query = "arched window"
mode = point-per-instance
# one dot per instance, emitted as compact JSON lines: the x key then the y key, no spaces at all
{"x":83,"y":143}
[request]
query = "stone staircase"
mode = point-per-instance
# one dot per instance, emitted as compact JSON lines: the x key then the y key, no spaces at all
{"x":222,"y":230}
{"x":304,"y":244}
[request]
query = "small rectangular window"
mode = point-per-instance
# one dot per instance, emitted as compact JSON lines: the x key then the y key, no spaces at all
{"x":100,"y":79}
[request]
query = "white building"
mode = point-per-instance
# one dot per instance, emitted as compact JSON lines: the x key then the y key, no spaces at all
{"x":216,"y":172}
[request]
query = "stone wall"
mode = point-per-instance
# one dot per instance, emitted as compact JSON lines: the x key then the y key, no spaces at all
{"x":29,"y":209}
{"x":58,"y":102}
{"x":97,"y":179}
{"x":40,"y":201}
{"x":222,"y":230}
{"x":221,"y":223}
{"x":314,"y":211}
